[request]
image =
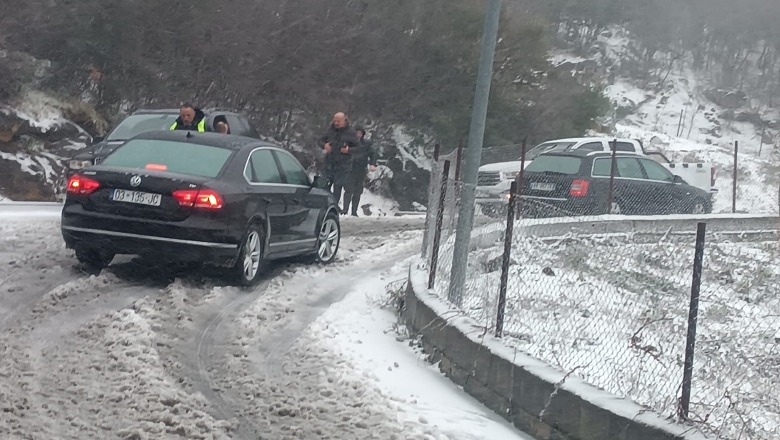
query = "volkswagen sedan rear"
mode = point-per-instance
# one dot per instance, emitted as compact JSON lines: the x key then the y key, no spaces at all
{"x":223,"y":200}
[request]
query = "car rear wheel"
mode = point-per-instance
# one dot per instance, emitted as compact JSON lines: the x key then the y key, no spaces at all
{"x":250,"y":263}
{"x":493,"y":211}
{"x":700,"y":207}
{"x":328,"y":239}
{"x":93,"y":259}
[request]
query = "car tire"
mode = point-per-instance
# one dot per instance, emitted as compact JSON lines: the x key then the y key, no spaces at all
{"x":251,"y":261}
{"x":328,"y":239}
{"x":700,"y":207}
{"x":493,"y":211}
{"x":616,"y":208}
{"x":94,"y":260}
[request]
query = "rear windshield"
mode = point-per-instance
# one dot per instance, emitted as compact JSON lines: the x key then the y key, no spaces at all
{"x":548,"y":146}
{"x":137,"y":124}
{"x":176,"y":157}
{"x":555,"y":164}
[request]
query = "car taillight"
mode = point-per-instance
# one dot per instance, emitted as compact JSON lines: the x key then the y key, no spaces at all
{"x":579,"y":188}
{"x":204,"y":198}
{"x":81,"y":185}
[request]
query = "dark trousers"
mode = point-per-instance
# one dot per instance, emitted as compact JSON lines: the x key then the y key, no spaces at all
{"x":353,"y":191}
{"x":337,"y":183}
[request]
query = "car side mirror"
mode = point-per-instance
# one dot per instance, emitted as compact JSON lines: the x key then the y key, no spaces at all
{"x":96,"y":139}
{"x":318,"y":182}
{"x":678,"y":180}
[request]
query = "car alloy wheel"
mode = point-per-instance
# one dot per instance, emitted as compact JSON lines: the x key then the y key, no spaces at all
{"x":699,"y":208}
{"x":250,"y":260}
{"x":328,"y":239}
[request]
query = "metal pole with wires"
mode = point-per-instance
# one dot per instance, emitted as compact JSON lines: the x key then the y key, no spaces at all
{"x":439,"y":223}
{"x":474,"y":152}
{"x":612,"y":172}
{"x":693,"y":318}
{"x":734,"y":179}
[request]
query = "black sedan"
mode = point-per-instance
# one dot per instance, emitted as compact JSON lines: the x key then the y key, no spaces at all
{"x":151,"y":120}
{"x":181,"y":196}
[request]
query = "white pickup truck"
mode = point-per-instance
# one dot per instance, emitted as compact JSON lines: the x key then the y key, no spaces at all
{"x":494,"y":180}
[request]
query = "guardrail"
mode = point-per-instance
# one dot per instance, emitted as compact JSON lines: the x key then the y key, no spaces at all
{"x":726,"y":224}
{"x":30,"y":209}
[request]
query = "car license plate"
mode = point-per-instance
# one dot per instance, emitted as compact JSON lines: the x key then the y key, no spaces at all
{"x":542,"y":186}
{"x":141,"y":198}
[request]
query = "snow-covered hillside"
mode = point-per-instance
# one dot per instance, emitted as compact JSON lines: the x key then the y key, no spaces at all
{"x":684,"y":117}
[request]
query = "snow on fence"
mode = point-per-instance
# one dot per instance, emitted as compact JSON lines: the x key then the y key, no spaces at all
{"x":614,"y":310}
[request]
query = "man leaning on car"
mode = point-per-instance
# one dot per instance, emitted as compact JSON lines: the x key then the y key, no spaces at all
{"x":190,"y":118}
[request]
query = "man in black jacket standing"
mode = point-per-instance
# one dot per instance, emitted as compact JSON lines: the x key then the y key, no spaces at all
{"x":337,"y":144}
{"x":362,"y":157}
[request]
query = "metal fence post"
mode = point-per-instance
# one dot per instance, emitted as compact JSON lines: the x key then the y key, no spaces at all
{"x":431,"y":200}
{"x":734,"y":180}
{"x":459,"y":161}
{"x":693,"y":316}
{"x":612,"y":171}
{"x":520,"y":180}
{"x":506,"y":259}
{"x":439,"y":221}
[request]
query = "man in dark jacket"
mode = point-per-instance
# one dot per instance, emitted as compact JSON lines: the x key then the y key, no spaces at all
{"x":362,"y":157}
{"x":190,"y":118}
{"x":337,"y":144}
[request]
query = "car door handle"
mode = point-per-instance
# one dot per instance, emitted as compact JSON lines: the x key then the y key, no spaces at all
{"x":296,"y":201}
{"x":266,"y":200}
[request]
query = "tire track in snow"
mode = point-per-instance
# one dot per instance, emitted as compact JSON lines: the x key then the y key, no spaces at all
{"x":208,"y":354}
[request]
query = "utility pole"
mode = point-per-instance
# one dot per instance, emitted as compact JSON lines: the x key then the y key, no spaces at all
{"x":474,"y":152}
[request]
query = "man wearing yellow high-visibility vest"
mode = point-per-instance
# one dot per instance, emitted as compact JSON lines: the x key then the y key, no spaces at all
{"x":190,"y":118}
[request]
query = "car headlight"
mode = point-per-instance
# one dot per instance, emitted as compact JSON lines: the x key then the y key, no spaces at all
{"x":512,"y":175}
{"x":76,"y":164}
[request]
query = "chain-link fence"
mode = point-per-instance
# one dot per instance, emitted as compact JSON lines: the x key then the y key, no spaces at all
{"x":609,"y":298}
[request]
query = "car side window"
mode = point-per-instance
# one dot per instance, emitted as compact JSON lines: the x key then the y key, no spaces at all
{"x":629,"y":167}
{"x":262,"y":168}
{"x":602,"y":167}
{"x":591,"y":146}
{"x":293,"y":170}
{"x":657,"y":172}
{"x":625,"y":147}
{"x":236,"y":127}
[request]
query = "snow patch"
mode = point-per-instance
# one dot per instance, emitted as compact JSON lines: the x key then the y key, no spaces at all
{"x":409,"y":150}
{"x":39,"y":109}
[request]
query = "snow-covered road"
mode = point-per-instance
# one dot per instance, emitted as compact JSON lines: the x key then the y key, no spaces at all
{"x":143,"y":352}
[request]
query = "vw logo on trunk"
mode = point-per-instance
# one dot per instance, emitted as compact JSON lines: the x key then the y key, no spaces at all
{"x":135,"y":181}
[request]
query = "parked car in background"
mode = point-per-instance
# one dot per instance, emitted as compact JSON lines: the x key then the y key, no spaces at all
{"x":145,"y":120}
{"x":223,"y":200}
{"x":563,"y":183}
{"x":494,"y":180}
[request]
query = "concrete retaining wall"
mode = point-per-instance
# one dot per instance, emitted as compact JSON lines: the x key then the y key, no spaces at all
{"x":521,"y":388}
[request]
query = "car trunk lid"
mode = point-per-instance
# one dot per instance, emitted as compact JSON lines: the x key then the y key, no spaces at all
{"x":142,"y":194}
